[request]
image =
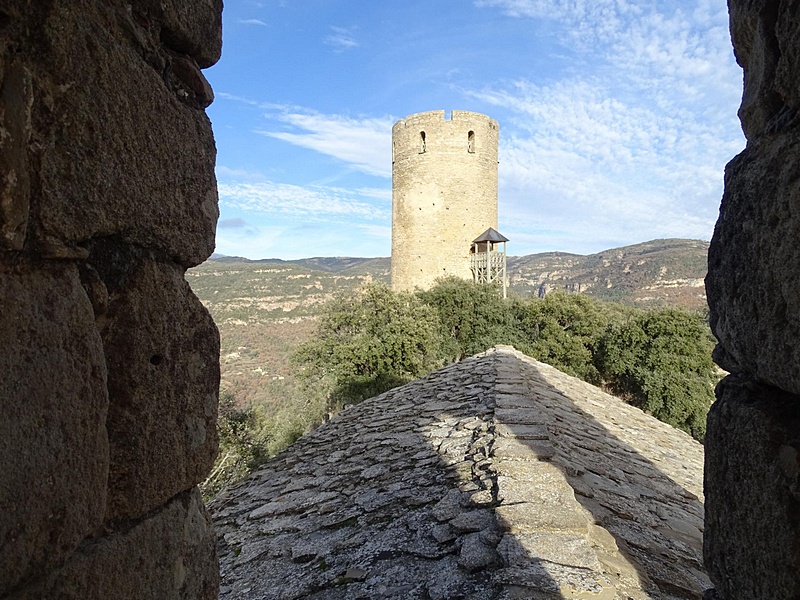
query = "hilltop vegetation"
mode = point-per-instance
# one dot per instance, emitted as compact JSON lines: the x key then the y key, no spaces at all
{"x":265,"y":308}
{"x":375,"y":339}
{"x":371,"y":340}
{"x":667,"y":272}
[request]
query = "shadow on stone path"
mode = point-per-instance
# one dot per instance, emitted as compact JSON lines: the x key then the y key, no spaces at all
{"x":586,"y":480}
{"x":462,"y":485}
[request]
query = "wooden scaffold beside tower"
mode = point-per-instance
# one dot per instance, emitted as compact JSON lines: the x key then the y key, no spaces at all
{"x":488,"y":258}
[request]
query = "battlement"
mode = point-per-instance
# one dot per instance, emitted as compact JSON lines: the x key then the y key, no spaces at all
{"x":438,"y":117}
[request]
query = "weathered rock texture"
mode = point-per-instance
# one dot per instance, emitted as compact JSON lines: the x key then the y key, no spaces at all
{"x":754,"y":440}
{"x":109,"y":362}
{"x":498,"y":477}
{"x":752,"y":538}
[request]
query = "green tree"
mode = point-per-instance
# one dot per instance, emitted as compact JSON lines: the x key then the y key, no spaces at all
{"x":367,"y":342}
{"x":564,"y":330}
{"x":473,"y":316}
{"x":660,"y":361}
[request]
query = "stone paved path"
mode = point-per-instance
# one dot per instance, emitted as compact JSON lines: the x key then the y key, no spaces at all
{"x":495,"y":478}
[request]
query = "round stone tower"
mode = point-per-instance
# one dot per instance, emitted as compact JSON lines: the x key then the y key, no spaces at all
{"x":444,"y":194}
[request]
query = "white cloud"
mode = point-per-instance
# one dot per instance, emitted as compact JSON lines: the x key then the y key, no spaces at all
{"x":235,"y":223}
{"x":341,"y":39}
{"x":224,"y":172}
{"x":252,"y":22}
{"x":383,"y":194}
{"x":294,"y":239}
{"x":632,"y":149}
{"x":644,"y":49}
{"x":364,"y":143}
{"x":583,"y":161}
{"x":315,"y":203}
{"x":382,"y":233}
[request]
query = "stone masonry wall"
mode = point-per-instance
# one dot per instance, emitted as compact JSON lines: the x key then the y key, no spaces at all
{"x":752,"y":473}
{"x":444,"y":194}
{"x":109,"y":362}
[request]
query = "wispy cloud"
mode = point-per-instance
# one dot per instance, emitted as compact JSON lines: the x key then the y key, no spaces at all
{"x":599,"y":162}
{"x":290,"y":239}
{"x":236,"y":223}
{"x":250,"y":101}
{"x":315,"y":203}
{"x":224,"y":172}
{"x":341,"y":39}
{"x":663,"y":53}
{"x":253,"y":22}
{"x":364,"y":143}
{"x":634,"y":148}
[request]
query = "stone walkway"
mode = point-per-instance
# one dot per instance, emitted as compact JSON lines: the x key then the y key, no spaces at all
{"x":495,"y":478}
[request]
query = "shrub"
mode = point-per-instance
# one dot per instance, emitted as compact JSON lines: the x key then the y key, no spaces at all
{"x":660,"y":361}
{"x":563,"y":330}
{"x":368,"y":342}
{"x":473,"y":317}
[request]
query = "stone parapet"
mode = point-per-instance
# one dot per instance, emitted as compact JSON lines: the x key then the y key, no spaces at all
{"x":110,"y":363}
{"x":170,"y":554}
{"x":753,"y":470}
{"x":752,"y":290}
{"x":752,"y":540}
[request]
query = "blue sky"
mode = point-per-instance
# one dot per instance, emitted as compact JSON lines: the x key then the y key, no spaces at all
{"x":617,"y":117}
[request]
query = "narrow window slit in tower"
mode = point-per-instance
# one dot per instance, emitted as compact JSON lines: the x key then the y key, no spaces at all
{"x":421,"y":142}
{"x":471,"y":142}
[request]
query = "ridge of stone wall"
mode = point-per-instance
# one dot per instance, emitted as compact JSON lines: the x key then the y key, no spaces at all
{"x":109,"y":361}
{"x":496,"y":477}
{"x":752,"y":538}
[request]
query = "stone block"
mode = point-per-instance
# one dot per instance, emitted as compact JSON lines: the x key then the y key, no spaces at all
{"x":555,"y":547}
{"x":512,"y":449}
{"x":170,"y":555}
{"x":758,"y":52}
{"x":752,"y":284}
{"x":194,"y":27}
{"x":529,"y":518}
{"x":787,"y":32}
{"x":191,"y":27}
{"x":162,"y":350}
{"x":752,"y":482}
{"x":53,"y":443}
{"x":16,"y":98}
{"x":123,"y":149}
{"x":766,"y":35}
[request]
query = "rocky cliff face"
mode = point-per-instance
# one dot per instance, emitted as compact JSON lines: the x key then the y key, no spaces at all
{"x":109,"y":362}
{"x":752,"y":541}
{"x":648,"y":274}
{"x":497,"y":477}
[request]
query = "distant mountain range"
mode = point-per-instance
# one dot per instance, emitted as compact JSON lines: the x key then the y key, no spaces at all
{"x":667,"y":271}
{"x":659,"y":272}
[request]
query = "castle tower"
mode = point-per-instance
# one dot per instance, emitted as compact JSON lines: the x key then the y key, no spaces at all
{"x":444,"y":194}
